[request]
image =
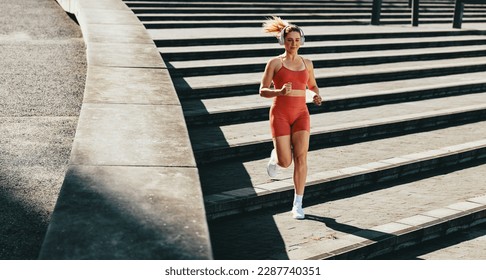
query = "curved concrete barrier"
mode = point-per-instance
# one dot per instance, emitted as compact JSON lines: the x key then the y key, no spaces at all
{"x":132,"y":189}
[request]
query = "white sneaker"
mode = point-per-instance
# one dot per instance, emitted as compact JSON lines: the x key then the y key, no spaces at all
{"x":298,"y":212}
{"x":272,"y":165}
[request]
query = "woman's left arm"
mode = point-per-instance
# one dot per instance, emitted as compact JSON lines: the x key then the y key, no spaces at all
{"x":312,"y":84}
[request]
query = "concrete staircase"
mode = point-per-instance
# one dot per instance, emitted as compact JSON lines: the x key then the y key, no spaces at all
{"x":396,"y":148}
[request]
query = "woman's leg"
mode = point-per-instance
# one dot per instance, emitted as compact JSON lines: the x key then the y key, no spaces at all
{"x":300,"y":143}
{"x":281,"y":155}
{"x":283,"y":148}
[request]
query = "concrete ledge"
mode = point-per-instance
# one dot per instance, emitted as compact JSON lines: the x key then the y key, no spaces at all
{"x":132,"y":189}
{"x":110,"y":85}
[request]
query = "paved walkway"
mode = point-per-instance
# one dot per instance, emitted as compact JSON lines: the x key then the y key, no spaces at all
{"x":42,"y":79}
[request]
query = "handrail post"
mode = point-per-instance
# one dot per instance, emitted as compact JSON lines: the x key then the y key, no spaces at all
{"x":376,"y":12}
{"x":458,"y":13}
{"x":415,"y":12}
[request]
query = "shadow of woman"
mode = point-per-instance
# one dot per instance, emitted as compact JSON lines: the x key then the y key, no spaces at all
{"x":350,"y":229}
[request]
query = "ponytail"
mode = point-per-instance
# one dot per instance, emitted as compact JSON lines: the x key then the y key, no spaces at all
{"x":280,"y":28}
{"x":275,"y":25}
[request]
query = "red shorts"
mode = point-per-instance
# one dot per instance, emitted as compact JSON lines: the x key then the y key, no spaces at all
{"x":289,"y":114}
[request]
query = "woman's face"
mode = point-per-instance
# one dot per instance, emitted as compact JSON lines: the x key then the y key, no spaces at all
{"x":292,"y":41}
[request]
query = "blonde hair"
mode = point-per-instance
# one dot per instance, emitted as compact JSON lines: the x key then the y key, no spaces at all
{"x":275,"y":25}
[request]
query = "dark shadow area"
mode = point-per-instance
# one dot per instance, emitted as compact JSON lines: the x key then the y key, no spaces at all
{"x":30,"y":179}
{"x":249,"y":236}
{"x":345,"y":228}
{"x":222,"y":177}
{"x":73,"y":18}
{"x":23,"y":228}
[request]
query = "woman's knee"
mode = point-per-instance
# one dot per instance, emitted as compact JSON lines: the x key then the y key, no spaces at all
{"x":285,"y":162}
{"x":300,"y":159}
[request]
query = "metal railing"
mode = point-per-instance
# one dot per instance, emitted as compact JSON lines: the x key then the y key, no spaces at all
{"x":459,"y":11}
{"x":415,"y":5}
{"x":376,"y":11}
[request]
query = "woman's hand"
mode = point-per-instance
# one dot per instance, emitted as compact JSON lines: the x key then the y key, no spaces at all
{"x":286,"y":89}
{"x":317,"y":99}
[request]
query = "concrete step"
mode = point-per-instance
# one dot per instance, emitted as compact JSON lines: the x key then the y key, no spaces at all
{"x":241,"y":109}
{"x":253,"y":36}
{"x":303,"y":23}
{"x":467,"y":244}
{"x":318,"y":47}
{"x":211,"y":144}
{"x":194,"y":54}
{"x":262,"y":11}
{"x":326,"y":60}
{"x":255,"y":4}
{"x":335,"y":43}
{"x":339,"y":168}
{"x":247,"y":83}
{"x":234,"y":16}
{"x":303,"y":6}
{"x":150,"y":14}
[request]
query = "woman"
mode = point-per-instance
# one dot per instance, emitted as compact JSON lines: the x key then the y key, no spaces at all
{"x":289,"y":117}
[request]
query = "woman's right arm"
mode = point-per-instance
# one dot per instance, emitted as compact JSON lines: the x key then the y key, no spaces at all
{"x":265,"y":90}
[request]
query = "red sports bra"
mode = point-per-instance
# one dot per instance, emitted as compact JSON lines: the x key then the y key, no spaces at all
{"x":297,"y":78}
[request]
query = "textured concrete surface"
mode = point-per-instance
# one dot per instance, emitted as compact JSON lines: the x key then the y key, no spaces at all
{"x":104,"y":129}
{"x":42,"y":78}
{"x":129,"y":85}
{"x":107,"y":212}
